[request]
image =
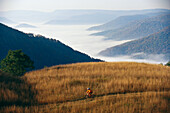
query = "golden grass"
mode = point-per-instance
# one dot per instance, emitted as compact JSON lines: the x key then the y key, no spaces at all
{"x":66,"y":82}
{"x":148,"y":102}
{"x":14,"y":90}
{"x":55,"y":86}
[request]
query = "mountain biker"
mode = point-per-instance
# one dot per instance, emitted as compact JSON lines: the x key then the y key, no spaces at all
{"x":89,"y":92}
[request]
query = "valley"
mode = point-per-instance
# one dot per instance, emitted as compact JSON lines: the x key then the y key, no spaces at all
{"x":119,"y":54}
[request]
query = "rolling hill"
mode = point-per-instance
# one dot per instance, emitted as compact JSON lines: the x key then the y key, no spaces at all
{"x":124,"y":20}
{"x":23,"y":25}
{"x":6,"y":21}
{"x":15,"y":90}
{"x":157,"y":43}
{"x":43,"y":51}
{"x":118,"y":22}
{"x":121,"y":87}
{"x":93,"y":16}
{"x":137,"y":29}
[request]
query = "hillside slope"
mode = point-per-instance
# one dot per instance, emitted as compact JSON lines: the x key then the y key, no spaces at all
{"x":138,"y":29}
{"x":119,"y":87}
{"x":43,"y":51}
{"x":15,"y":90}
{"x":124,"y":20}
{"x":157,"y":43}
{"x":118,"y":22}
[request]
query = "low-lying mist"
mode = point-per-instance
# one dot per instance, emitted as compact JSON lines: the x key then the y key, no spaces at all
{"x":77,"y":37}
{"x":147,"y":58}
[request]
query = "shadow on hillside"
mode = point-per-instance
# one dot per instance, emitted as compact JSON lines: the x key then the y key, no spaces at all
{"x":15,"y":91}
{"x":60,"y":67}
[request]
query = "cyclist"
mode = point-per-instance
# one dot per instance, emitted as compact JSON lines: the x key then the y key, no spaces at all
{"x":89,"y":92}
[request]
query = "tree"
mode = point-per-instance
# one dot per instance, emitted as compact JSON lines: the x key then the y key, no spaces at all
{"x":168,"y":64}
{"x":16,"y":63}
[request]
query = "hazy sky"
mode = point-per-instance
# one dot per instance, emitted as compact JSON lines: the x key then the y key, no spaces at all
{"x":51,"y":5}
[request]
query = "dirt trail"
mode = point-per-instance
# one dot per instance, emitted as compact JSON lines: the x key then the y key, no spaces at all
{"x":73,"y":100}
{"x":102,"y":95}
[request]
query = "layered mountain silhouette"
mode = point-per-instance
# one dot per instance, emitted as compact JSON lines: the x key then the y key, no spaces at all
{"x":124,"y":20}
{"x":157,"y":43}
{"x":136,"y":29}
{"x":118,"y":22}
{"x":24,"y":25}
{"x":7,"y":21}
{"x":71,"y":16}
{"x":94,"y":16}
{"x":43,"y":51}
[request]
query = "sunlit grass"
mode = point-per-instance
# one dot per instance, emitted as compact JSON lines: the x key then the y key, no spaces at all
{"x":148,"y":102}
{"x":119,"y":87}
{"x":65,"y":82}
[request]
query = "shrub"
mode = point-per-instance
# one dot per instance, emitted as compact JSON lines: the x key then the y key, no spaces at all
{"x":16,"y":63}
{"x":168,"y":64}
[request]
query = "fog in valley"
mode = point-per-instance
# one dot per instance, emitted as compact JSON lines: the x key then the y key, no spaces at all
{"x":78,"y":37}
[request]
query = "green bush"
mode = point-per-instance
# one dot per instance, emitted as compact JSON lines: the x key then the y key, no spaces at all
{"x":168,"y":64}
{"x":16,"y":63}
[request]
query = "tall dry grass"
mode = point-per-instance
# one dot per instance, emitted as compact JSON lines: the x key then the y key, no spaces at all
{"x":67,"y":82}
{"x":15,"y":90}
{"x":148,"y":102}
{"x":53,"y":87}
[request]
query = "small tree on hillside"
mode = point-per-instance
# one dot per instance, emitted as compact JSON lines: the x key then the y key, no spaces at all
{"x":16,"y":63}
{"x":168,"y":64}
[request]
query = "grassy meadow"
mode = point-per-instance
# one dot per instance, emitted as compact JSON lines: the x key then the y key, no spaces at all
{"x":126,"y":87}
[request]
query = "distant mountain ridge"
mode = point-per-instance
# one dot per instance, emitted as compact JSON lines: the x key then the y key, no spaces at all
{"x":96,"y":16}
{"x":138,"y":29}
{"x":157,"y":43}
{"x":118,"y":22}
{"x":124,"y":20}
{"x":72,"y":16}
{"x":43,"y":51}
{"x":24,"y":25}
{"x":6,"y":21}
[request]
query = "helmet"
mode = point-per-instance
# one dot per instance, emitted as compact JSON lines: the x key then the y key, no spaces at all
{"x":88,"y":88}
